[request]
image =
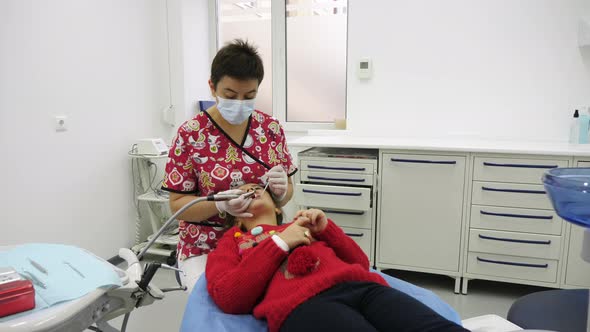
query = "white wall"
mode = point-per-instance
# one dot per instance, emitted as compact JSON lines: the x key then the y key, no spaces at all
{"x":196,"y":53}
{"x":104,"y":64}
{"x":188,"y":30}
{"x":487,"y":68}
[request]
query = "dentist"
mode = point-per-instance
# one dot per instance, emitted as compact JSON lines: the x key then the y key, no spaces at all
{"x":221,"y":149}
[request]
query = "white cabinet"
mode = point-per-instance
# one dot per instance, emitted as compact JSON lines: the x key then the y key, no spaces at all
{"x":421,"y":209}
{"x":469,"y":215}
{"x":341,"y":182}
{"x":514,"y":234}
{"x":577,"y":271}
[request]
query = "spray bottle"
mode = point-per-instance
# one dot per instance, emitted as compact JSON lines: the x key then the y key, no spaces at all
{"x":575,"y":128}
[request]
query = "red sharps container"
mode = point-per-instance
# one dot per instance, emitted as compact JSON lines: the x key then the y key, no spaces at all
{"x":16,"y":293}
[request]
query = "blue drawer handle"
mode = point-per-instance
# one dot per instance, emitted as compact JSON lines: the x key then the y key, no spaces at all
{"x":354,"y":213}
{"x":312,"y":177}
{"x":419,"y":161}
{"x":519,"y":165}
{"x":510,"y":215}
{"x":359,"y":169}
{"x":330,"y":193}
{"x":519,"y":191}
{"x":541,"y":266}
{"x":355,"y":234}
{"x":513,"y":240}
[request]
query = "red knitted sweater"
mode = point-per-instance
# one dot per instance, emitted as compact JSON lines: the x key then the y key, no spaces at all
{"x":243,"y":277}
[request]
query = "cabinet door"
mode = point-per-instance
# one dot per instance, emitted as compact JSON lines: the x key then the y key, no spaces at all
{"x":577,"y":272}
{"x":421,"y":207}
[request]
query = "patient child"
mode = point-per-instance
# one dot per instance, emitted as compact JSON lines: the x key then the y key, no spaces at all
{"x":307,"y":276}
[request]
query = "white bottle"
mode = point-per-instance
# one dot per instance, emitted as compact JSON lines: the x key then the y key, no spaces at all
{"x":575,"y":128}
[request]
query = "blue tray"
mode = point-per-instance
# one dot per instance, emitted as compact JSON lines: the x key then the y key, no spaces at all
{"x":569,"y":192}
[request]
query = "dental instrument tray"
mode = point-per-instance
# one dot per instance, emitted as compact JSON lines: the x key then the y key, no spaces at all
{"x":569,"y":191}
{"x":16,"y":293}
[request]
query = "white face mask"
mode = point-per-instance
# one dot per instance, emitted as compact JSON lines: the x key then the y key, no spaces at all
{"x":235,"y":111}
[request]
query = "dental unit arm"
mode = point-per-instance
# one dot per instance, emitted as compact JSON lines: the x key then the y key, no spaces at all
{"x":140,"y":291}
{"x":102,"y":304}
{"x":211,"y":198}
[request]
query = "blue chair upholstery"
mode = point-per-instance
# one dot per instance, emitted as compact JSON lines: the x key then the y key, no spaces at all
{"x":202,"y":314}
{"x":205,"y":104}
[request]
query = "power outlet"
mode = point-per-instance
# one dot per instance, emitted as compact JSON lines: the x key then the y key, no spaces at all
{"x":61,"y":123}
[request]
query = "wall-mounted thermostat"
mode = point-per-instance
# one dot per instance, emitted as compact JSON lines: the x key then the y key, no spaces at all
{"x":365,"y":68}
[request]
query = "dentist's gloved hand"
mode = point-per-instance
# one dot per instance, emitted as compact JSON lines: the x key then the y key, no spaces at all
{"x":277,"y":182}
{"x":236,"y":207}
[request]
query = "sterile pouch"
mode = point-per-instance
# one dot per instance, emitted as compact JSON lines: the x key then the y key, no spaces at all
{"x":17,"y":294}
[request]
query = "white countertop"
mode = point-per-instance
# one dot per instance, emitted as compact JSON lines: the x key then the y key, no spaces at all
{"x":446,"y":144}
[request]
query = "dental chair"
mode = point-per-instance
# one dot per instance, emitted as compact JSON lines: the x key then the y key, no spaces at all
{"x":202,"y":314}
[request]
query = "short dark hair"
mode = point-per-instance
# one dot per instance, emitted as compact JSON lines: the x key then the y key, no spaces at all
{"x":237,"y":59}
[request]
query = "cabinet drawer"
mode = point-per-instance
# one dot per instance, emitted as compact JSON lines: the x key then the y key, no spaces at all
{"x":362,"y":237}
{"x":544,"y":270}
{"x":336,"y":166}
{"x":345,"y":218}
{"x":345,"y":178}
{"x":515,"y":219}
{"x":513,"y":170}
{"x":510,"y":194}
{"x":515,"y":244}
{"x":336,"y":197}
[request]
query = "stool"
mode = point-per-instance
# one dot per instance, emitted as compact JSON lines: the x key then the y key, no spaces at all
{"x":556,"y":310}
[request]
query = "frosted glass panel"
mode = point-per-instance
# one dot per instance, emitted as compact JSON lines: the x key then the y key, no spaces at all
{"x":316,"y":60}
{"x":250,"y":20}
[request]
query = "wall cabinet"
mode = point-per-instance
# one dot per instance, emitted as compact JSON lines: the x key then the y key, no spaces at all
{"x":466,"y":215}
{"x":514,"y":234}
{"x":341,"y":182}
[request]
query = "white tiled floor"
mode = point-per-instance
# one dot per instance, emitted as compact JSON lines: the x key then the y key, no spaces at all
{"x":485,"y":297}
{"x":164,"y":315}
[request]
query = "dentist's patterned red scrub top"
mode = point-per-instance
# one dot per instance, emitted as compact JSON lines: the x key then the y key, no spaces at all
{"x":204,"y":160}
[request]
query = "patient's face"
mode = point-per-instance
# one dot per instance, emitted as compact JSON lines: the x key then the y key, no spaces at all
{"x":261,"y":201}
